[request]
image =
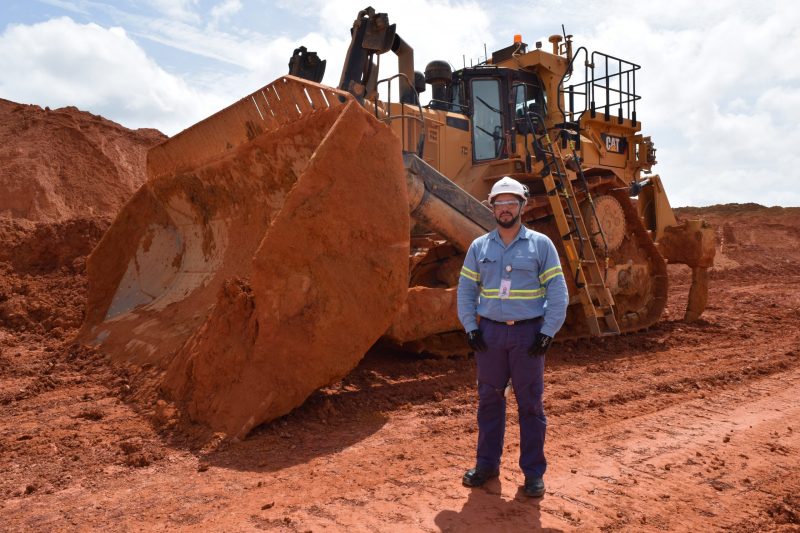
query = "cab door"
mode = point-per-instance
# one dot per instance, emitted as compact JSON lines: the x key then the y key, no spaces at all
{"x":487,"y":119}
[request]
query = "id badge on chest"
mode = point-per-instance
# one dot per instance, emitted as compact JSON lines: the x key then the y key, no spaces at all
{"x":505,"y":289}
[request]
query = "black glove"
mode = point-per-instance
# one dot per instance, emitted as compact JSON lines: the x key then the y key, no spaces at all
{"x":476,"y":342}
{"x":540,"y":345}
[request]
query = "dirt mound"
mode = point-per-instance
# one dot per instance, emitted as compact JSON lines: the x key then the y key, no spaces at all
{"x":50,"y":303}
{"x":64,"y":174}
{"x":752,"y":239}
{"x":44,"y":247}
{"x":62,"y":164}
{"x":42,"y":274}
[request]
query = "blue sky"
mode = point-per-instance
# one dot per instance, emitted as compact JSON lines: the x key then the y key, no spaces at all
{"x":720,"y":80}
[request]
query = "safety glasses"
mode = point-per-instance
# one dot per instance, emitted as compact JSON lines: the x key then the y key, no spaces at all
{"x":506,"y":203}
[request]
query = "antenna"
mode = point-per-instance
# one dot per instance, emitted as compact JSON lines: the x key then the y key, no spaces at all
{"x":485,"y":55}
{"x":567,"y":49}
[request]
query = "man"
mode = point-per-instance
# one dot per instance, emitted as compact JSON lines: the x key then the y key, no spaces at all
{"x":512,"y":299}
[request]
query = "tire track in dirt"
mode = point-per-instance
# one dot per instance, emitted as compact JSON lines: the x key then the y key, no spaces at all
{"x":648,"y":462}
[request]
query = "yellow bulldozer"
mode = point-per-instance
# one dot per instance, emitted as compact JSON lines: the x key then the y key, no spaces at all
{"x":277,"y":240}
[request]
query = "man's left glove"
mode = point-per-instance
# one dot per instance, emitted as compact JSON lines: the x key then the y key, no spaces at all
{"x":540,"y":345}
{"x":476,"y":342}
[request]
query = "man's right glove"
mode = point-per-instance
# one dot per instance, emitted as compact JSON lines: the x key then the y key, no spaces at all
{"x":475,"y":340}
{"x":540,"y":345}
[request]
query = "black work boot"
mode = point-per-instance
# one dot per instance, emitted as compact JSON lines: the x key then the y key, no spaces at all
{"x":534,"y":487}
{"x":476,"y":477}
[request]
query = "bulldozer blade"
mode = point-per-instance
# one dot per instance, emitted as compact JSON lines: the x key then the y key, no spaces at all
{"x":266,"y":268}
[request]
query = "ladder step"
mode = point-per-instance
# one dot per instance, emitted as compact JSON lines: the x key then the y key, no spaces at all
{"x":578,"y":237}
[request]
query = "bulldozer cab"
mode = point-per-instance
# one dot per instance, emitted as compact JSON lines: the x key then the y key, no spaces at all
{"x":505,"y":102}
{"x":495,"y":102}
{"x":502,"y":102}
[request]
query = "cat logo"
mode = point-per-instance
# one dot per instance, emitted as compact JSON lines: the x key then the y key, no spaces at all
{"x":613,"y":144}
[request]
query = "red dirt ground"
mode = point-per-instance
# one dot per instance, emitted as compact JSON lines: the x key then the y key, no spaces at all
{"x":682,"y":427}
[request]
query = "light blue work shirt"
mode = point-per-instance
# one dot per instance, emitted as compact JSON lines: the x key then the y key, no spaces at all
{"x":537,"y":289}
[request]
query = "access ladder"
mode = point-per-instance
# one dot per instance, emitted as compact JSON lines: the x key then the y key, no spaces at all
{"x":595,"y":298}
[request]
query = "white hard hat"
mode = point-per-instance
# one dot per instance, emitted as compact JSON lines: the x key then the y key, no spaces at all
{"x":507,"y":185}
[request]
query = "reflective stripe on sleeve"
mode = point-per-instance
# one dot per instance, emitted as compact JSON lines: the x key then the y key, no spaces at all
{"x":470,"y":274}
{"x":550,"y":273}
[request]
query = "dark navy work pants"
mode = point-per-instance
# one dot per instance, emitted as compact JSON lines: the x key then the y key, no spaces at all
{"x":507,"y":357}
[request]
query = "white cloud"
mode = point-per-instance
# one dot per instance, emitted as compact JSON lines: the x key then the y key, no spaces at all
{"x":182,"y":10}
{"x":60,"y":62}
{"x":329,"y":34}
{"x":67,"y":6}
{"x":224,"y":10}
{"x":256,"y":60}
{"x":229,"y":47}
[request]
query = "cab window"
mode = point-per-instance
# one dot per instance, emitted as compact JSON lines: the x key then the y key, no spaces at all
{"x":527,"y":98}
{"x":487,"y":119}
